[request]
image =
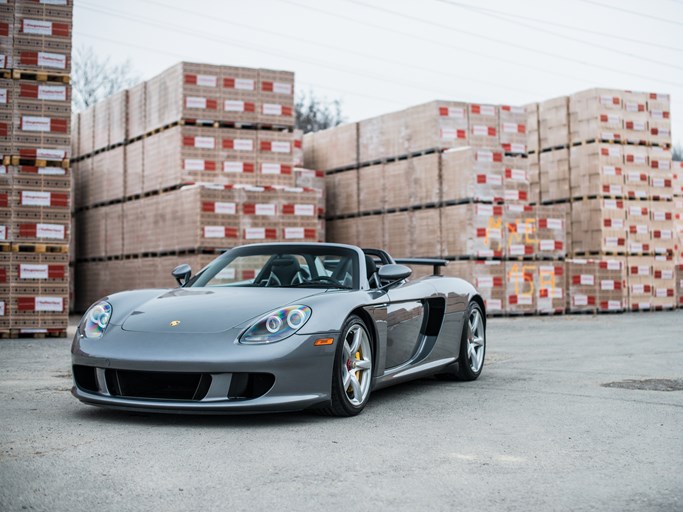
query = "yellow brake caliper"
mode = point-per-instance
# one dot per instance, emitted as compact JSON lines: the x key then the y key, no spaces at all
{"x":359,"y":374}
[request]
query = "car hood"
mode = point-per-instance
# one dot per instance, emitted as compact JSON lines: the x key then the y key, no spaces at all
{"x":209,"y":310}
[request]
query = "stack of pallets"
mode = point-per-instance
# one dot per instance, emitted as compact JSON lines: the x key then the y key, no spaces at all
{"x":605,"y":155}
{"x":507,"y":192}
{"x":448,"y":179}
{"x":194,"y":161}
{"x":35,"y":179}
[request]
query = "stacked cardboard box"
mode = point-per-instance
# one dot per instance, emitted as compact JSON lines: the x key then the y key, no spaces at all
{"x":598,"y":225}
{"x":596,"y":170}
{"x":553,"y":123}
{"x":515,"y":287}
{"x":193,"y":111}
{"x":205,"y":153}
{"x":488,"y":276}
{"x":461,"y":175}
{"x":677,"y":214}
{"x":554,"y":175}
{"x":640,"y":275}
{"x":230,"y":95}
{"x":435,"y":125}
{"x":447,"y":179}
{"x":35,"y":181}
{"x":484,"y":121}
{"x":201,"y":219}
{"x":663,"y":282}
{"x":600,"y":158}
{"x":513,"y":129}
{"x":497,"y":231}
{"x":596,"y":285}
{"x":621,"y":180}
{"x":334,"y":148}
{"x":187,"y":154}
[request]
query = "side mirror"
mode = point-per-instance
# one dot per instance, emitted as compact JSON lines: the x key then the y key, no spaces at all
{"x":392,"y":272}
{"x":182,"y":274}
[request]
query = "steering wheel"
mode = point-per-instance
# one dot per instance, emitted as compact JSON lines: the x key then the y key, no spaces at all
{"x":301,"y":276}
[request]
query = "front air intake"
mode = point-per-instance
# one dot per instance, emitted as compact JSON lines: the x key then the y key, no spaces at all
{"x":158,"y":385}
{"x":247,"y":386}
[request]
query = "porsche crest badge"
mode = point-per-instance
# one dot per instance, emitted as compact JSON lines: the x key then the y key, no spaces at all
{"x":174,"y":323}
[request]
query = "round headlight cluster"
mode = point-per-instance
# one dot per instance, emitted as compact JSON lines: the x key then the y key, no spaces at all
{"x":296,"y":318}
{"x":96,"y":320}
{"x":277,"y":325}
{"x":273,"y":324}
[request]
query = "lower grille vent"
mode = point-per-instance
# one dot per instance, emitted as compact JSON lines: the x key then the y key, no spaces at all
{"x":158,"y":385}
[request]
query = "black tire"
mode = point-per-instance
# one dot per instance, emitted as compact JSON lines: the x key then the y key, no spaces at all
{"x":462,"y":370}
{"x":341,"y":404}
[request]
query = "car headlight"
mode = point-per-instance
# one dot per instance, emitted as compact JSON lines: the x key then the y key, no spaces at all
{"x":277,"y":325}
{"x":96,"y":320}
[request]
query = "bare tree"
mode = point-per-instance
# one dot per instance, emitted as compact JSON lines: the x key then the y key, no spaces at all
{"x":313,"y":113}
{"x":677,"y":152}
{"x":94,"y":77}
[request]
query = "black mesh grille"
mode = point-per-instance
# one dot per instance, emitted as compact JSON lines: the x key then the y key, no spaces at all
{"x":158,"y":385}
{"x":247,"y":386}
{"x":85,"y":378}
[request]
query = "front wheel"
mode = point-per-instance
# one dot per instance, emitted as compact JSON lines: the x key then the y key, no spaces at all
{"x":352,"y":372}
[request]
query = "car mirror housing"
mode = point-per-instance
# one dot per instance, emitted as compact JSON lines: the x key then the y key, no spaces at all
{"x":182,"y":273}
{"x":393,"y":272}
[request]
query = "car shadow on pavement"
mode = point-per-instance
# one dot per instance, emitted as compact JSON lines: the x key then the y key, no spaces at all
{"x":388,"y":397}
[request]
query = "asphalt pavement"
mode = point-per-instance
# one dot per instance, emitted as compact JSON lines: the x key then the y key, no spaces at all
{"x":571,"y":413}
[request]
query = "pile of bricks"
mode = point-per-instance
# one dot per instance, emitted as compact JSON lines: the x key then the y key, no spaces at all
{"x":192,"y":162}
{"x":448,"y":179}
{"x":507,"y":192}
{"x":605,"y":155}
{"x":35,"y":179}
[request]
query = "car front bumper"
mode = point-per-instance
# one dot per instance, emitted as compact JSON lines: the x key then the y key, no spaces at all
{"x":137,"y":371}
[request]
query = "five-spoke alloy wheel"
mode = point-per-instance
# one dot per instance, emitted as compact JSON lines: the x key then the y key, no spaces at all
{"x":352,"y":372}
{"x":472,"y":346}
{"x":476,"y":340}
{"x":356,"y":364}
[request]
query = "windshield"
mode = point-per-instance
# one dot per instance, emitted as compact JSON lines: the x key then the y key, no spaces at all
{"x":282,"y":267}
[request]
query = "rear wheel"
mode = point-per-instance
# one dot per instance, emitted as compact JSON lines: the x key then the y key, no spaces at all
{"x":352,"y":372}
{"x":472,"y":346}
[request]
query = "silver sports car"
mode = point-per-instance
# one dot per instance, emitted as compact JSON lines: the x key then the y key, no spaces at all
{"x":278,"y":327}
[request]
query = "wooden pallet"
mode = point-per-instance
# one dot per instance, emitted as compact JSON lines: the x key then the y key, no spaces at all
{"x":602,"y":254}
{"x":18,"y":160}
{"x":28,"y":247}
{"x":35,"y":333}
{"x":40,"y":76}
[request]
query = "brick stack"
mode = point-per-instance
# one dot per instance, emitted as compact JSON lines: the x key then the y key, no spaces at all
{"x":600,"y":158}
{"x":35,"y":180}
{"x":194,"y":161}
{"x":677,"y":183}
{"x":448,"y":179}
{"x":595,"y":285}
{"x":605,"y":155}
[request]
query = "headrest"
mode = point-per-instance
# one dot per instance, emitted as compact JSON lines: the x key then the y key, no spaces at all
{"x":370,"y":265}
{"x":285,"y":261}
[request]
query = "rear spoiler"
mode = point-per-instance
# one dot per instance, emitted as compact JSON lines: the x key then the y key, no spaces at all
{"x":433,"y":262}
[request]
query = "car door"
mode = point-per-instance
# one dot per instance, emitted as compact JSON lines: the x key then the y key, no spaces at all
{"x":405,"y":318}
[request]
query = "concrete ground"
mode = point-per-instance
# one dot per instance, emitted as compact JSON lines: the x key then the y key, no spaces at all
{"x":538,"y":431}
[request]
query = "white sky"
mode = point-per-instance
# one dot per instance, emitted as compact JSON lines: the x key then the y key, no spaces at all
{"x":383,"y":55}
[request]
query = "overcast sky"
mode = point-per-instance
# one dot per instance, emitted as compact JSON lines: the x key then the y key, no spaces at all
{"x":383,"y":55}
